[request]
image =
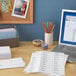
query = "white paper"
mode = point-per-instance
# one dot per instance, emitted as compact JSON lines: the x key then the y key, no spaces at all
{"x":8,"y":30}
{"x":35,"y":62}
{"x":51,"y":63}
{"x":5,"y":52}
{"x":11,"y":63}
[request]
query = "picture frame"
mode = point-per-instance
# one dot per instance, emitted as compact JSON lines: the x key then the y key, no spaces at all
{"x":20,"y":8}
{"x":68,"y":28}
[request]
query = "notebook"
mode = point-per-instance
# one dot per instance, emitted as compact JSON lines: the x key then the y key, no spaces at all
{"x":67,"y":37}
{"x":50,"y":63}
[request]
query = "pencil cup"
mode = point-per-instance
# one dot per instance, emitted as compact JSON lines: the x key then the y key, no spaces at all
{"x":49,"y":38}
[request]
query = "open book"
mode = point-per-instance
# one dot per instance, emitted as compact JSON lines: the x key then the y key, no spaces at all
{"x":51,"y":63}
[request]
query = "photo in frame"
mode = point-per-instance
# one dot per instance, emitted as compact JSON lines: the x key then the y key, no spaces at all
{"x":20,"y":8}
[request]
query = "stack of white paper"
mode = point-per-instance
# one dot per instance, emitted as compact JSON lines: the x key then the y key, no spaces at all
{"x":8,"y":33}
{"x":51,"y":63}
{"x":5,"y":52}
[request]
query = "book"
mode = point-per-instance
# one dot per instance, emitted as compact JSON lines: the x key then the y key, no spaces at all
{"x":51,"y":63}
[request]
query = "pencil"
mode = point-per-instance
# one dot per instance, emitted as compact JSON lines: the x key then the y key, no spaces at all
{"x":44,"y":26}
{"x":47,"y":27}
{"x":53,"y":28}
{"x":50,"y":26}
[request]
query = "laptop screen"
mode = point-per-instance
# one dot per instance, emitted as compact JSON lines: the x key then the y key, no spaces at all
{"x":68,"y":28}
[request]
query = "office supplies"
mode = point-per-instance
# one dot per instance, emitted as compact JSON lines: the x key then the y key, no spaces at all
{"x":44,"y":26}
{"x":50,"y":63}
{"x":52,"y":29}
{"x":49,"y":38}
{"x":49,"y":27}
{"x":12,"y":63}
{"x":10,"y":40}
{"x":8,"y":33}
{"x":37,"y":42}
{"x":44,"y":46}
{"x":5,"y":52}
{"x":67,"y":37}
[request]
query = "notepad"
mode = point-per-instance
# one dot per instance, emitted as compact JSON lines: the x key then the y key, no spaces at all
{"x":50,"y":63}
{"x":12,"y":63}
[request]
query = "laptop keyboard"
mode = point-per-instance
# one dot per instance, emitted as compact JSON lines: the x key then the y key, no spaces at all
{"x":70,"y":51}
{"x":70,"y":48}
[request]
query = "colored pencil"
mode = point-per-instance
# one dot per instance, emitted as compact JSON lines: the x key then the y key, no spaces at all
{"x":44,"y":26}
{"x":53,"y":28}
{"x":49,"y":27}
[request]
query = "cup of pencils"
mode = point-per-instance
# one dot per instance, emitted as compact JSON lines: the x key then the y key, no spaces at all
{"x":48,"y":28}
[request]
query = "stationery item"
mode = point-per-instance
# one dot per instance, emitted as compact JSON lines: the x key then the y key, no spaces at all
{"x":44,"y":46}
{"x":8,"y":33}
{"x":37,"y":42}
{"x":5,"y":52}
{"x":52,"y":29}
{"x":49,"y":27}
{"x":49,"y":38}
{"x":9,"y":36}
{"x":44,"y":26}
{"x":12,"y":63}
{"x":50,"y":63}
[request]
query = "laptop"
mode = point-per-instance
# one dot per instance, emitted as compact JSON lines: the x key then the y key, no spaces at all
{"x":67,"y":36}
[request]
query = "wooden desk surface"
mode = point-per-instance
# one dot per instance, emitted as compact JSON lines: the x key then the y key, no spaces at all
{"x":24,"y":50}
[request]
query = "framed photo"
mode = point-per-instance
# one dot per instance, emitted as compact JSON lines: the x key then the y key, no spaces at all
{"x":20,"y":8}
{"x":68,"y":28}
